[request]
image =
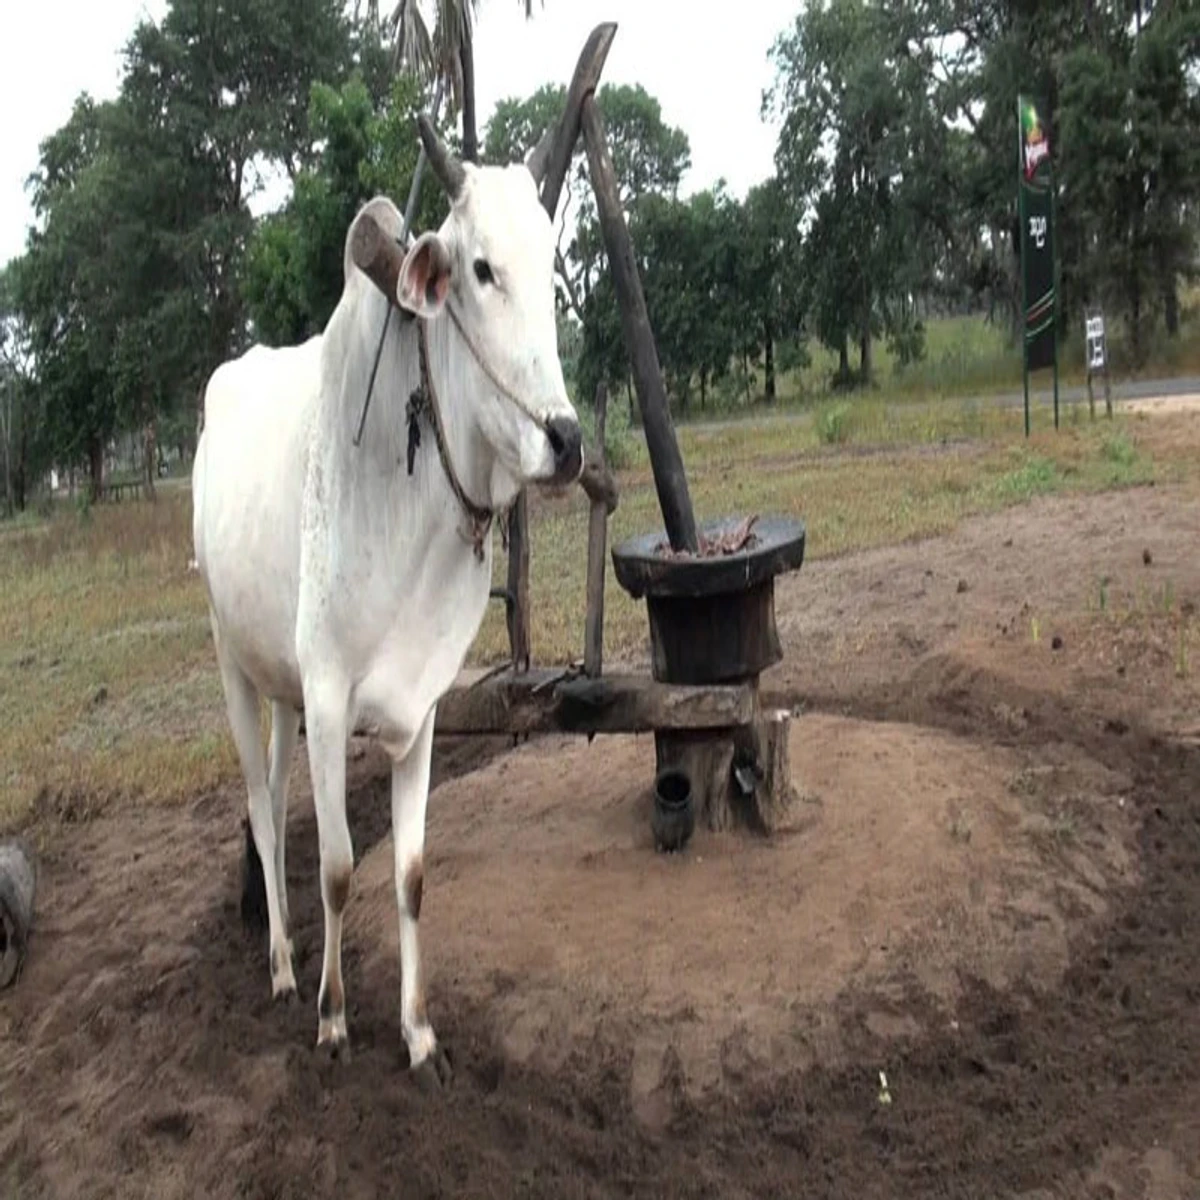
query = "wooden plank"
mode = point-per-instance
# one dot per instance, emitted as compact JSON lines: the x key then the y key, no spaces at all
{"x":593,"y":636}
{"x":540,"y":701}
{"x":670,"y":480}
{"x":583,"y":84}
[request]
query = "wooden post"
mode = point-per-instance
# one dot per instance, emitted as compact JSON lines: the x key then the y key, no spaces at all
{"x":593,"y":645}
{"x":665,"y":459}
{"x":518,"y":583}
{"x":741,"y":777}
{"x":18,"y":883}
{"x":583,"y":83}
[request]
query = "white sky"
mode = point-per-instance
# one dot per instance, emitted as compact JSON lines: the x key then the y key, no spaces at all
{"x":708,"y":75}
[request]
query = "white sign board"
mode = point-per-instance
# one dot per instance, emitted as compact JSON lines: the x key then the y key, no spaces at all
{"x":1095,"y":343}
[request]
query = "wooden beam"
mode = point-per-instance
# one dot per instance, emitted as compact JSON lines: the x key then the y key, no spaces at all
{"x":583,"y":84}
{"x":670,"y":480}
{"x":541,"y":701}
{"x":593,"y":636}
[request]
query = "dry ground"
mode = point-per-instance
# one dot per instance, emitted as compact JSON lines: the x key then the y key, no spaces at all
{"x":987,"y":892}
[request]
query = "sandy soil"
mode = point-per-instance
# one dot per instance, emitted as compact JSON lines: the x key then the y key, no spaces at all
{"x":987,"y":891}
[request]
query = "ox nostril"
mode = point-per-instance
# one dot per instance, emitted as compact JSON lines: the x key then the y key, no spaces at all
{"x":566,"y":443}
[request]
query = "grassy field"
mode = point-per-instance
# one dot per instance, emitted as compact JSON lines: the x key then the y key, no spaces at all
{"x":109,"y":684}
{"x":964,"y":356}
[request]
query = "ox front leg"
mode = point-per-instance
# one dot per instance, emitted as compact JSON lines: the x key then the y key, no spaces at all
{"x":326,"y":722}
{"x":410,"y":795}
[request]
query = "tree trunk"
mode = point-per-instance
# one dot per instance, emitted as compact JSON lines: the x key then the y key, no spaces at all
{"x":96,"y":465}
{"x":864,"y":355}
{"x":150,"y":456}
{"x":6,"y":413}
{"x":704,"y":388}
{"x":844,"y":361}
{"x":1170,"y":294}
{"x":22,"y":463}
{"x":769,"y":362}
{"x":470,"y":140}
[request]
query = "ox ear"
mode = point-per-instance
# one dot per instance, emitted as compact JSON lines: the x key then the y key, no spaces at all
{"x":424,"y":280}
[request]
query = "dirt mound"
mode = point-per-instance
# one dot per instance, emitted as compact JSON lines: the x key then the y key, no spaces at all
{"x":913,"y":854}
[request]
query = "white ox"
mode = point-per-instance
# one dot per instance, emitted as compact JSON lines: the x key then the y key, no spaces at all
{"x":341,"y":585}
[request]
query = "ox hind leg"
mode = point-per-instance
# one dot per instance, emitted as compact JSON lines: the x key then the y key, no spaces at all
{"x":242,"y":705}
{"x":326,"y":720}
{"x":410,"y":795}
{"x":285,"y":728}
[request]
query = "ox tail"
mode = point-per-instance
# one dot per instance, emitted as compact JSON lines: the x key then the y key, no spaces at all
{"x":254,"y":886}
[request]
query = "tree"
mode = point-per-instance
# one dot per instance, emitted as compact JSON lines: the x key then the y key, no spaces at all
{"x":130,"y":284}
{"x":15,"y":387}
{"x":863,"y":144}
{"x":767,"y":296}
{"x":293,"y":273}
{"x":445,"y":52}
{"x":649,"y":156}
{"x":1130,"y":131}
{"x":63,"y":290}
{"x":222,"y":88}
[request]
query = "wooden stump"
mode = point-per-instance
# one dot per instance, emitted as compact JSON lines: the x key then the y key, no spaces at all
{"x":741,"y":777}
{"x":18,"y":883}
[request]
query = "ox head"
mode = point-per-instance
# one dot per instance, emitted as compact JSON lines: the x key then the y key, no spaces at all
{"x":492,"y":260}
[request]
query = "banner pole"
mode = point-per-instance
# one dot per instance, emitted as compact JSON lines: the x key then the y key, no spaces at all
{"x":1021,"y":263}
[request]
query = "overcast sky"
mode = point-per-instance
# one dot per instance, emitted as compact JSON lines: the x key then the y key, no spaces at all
{"x":708,"y":75}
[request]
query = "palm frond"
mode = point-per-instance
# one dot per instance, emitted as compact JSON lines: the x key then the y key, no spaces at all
{"x":412,"y":45}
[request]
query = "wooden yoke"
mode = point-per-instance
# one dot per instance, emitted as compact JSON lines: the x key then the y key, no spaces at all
{"x":378,"y":256}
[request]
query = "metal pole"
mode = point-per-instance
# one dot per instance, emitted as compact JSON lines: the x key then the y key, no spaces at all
{"x":1021,"y":262}
{"x":1054,"y":284}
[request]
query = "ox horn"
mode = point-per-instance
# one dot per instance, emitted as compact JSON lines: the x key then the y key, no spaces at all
{"x":446,"y":167}
{"x":540,"y":158}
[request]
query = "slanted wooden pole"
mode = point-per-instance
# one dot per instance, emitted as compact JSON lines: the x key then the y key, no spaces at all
{"x":665,"y":459}
{"x":583,"y":83}
{"x":593,"y":644}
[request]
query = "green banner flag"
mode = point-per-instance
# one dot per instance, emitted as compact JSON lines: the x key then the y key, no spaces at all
{"x":1036,"y":207}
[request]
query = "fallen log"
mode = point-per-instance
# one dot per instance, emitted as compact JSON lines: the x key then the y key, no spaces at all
{"x":18,"y":884}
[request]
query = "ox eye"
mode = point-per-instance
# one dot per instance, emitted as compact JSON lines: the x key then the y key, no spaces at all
{"x":483,"y":272}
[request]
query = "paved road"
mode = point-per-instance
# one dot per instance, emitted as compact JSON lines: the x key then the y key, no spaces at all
{"x":1041,"y":398}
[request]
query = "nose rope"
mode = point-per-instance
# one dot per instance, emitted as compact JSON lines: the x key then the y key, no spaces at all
{"x":541,"y":422}
{"x":425,"y":398}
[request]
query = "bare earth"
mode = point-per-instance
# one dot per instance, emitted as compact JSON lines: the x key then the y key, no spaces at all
{"x":989,"y":892}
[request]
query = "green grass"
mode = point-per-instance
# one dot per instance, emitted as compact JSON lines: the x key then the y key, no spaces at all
{"x":965,"y":356}
{"x":108,"y":686}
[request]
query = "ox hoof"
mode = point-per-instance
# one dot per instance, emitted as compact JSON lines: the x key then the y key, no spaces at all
{"x":434,"y":1073}
{"x":286,"y":996}
{"x":334,"y":1050}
